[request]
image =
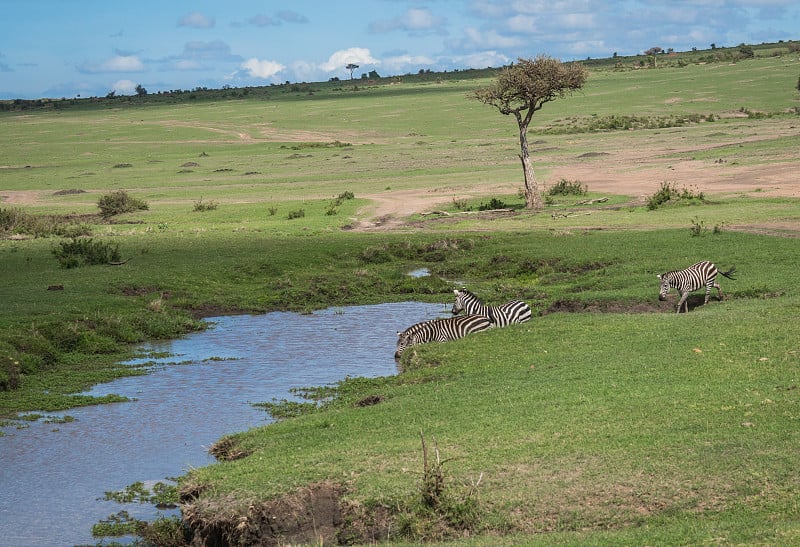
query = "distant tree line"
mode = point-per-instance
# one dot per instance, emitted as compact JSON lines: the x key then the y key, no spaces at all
{"x":715,"y":54}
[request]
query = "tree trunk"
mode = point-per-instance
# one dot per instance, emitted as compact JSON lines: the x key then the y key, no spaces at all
{"x":533,"y":198}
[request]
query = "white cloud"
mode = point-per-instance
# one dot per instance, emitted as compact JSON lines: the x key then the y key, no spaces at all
{"x":413,"y":20}
{"x":290,"y":16}
{"x":262,"y":20}
{"x":522,"y":23}
{"x":340,"y":59}
{"x":482,"y":59}
{"x":402,"y":64}
{"x":187,"y":64}
{"x":305,"y":71}
{"x":587,"y":47}
{"x":262,"y":69}
{"x":196,"y":20}
{"x":124,"y":87}
{"x":491,"y":39}
{"x":577,"y":20}
{"x":214,"y":50}
{"x":118,"y":63}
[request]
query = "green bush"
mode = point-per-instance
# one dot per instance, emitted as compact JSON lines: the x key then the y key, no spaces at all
{"x":668,"y":193}
{"x":85,"y":251}
{"x":119,"y":202}
{"x":493,"y":204}
{"x":566,"y":187}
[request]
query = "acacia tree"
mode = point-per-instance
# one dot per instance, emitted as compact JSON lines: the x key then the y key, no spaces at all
{"x":521,"y":90}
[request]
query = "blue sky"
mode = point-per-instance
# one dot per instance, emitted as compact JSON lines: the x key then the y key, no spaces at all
{"x":66,"y":48}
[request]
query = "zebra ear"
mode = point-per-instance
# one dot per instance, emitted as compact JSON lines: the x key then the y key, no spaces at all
{"x":455,"y":291}
{"x":658,"y":276}
{"x":399,"y":333}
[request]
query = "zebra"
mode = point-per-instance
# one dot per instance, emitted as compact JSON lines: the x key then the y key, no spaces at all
{"x":691,"y":279}
{"x":515,"y":311}
{"x":440,"y":330}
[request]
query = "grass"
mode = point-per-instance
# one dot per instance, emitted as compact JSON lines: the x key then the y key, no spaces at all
{"x":604,"y":422}
{"x":626,"y":424}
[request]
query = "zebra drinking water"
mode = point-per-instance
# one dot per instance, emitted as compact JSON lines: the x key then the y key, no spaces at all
{"x":691,"y":279}
{"x":515,"y":311}
{"x":440,"y":330}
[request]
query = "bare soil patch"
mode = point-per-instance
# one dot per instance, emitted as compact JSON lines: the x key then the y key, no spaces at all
{"x":639,"y":177}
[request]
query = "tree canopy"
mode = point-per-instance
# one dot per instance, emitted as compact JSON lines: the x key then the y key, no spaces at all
{"x":530,"y":83}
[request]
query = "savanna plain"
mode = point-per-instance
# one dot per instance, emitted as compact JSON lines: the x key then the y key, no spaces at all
{"x":607,"y":419}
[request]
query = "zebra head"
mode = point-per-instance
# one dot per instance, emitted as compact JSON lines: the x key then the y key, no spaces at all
{"x":665,"y":286}
{"x":404,"y":339}
{"x":459,"y":304}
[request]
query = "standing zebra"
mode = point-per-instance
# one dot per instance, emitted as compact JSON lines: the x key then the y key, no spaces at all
{"x":691,"y":279}
{"x":515,"y":311}
{"x":440,"y":330}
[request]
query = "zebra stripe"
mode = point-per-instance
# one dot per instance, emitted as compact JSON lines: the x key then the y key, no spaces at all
{"x":440,"y":330}
{"x":515,"y":311}
{"x":692,"y":278}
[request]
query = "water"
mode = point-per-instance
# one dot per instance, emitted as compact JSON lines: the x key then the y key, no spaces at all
{"x":53,"y":476}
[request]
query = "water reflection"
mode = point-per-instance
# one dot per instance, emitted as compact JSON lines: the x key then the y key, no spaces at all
{"x":52,"y":476}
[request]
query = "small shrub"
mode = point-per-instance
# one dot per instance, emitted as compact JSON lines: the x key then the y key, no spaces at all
{"x":460,"y":204}
{"x":668,"y":193}
{"x":201,"y":206}
{"x":272,"y":211}
{"x":300,"y":213}
{"x":566,"y":187}
{"x":493,"y":204}
{"x":664,"y":194}
{"x":333,"y":206}
{"x":9,"y":373}
{"x":119,"y":202}
{"x":698,"y":228}
{"x":77,"y":251}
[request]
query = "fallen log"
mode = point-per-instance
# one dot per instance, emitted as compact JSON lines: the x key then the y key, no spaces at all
{"x":592,"y":201}
{"x":447,"y":214}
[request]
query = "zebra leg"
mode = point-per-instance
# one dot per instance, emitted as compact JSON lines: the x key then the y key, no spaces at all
{"x":720,"y":294}
{"x":682,"y":301}
{"x":708,"y":292}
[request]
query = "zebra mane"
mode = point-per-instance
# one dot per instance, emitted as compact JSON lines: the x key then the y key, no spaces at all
{"x":470,"y":293}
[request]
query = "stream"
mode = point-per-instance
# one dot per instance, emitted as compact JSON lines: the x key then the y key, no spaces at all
{"x":54,"y":473}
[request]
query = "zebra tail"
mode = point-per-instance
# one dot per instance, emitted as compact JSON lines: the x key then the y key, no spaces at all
{"x":729,"y":273}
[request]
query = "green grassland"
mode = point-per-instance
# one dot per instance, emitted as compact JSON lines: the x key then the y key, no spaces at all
{"x":607,"y":419}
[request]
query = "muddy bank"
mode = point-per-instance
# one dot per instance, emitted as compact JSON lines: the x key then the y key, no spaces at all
{"x":316,"y":514}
